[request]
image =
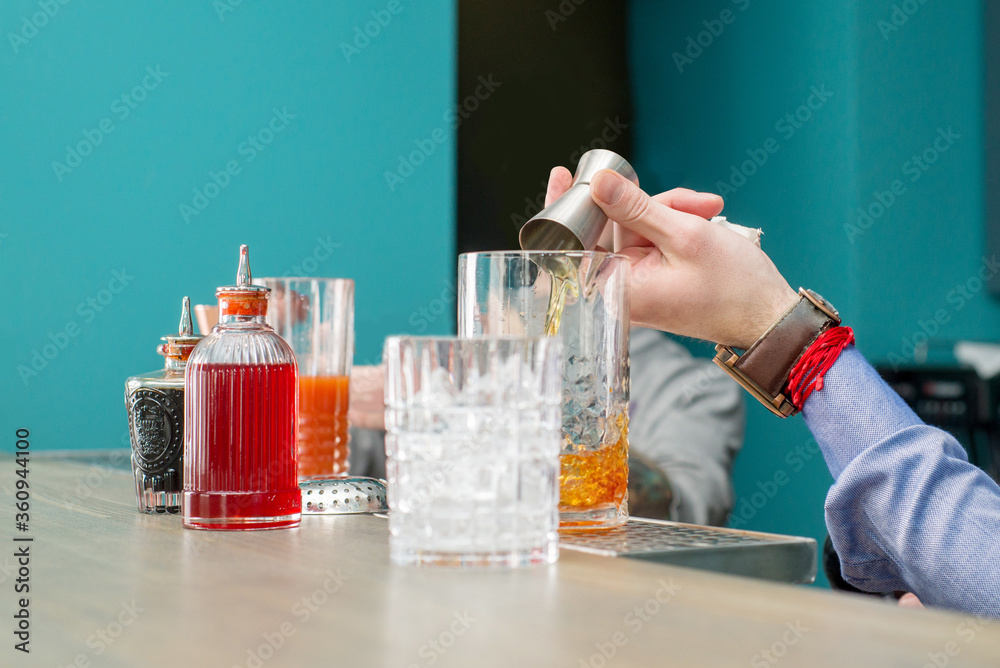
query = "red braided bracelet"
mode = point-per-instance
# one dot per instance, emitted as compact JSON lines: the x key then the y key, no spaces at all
{"x":807,"y":374}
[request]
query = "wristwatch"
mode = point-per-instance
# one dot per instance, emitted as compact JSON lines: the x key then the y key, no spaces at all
{"x":764,"y":367}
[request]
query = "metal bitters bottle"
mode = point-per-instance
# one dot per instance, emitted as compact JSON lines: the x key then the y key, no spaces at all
{"x":240,"y":412}
{"x":155,"y":404}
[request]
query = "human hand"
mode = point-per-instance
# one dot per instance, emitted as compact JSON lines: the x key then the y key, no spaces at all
{"x":705,"y":205}
{"x":649,"y":490}
{"x":690,"y":276}
{"x":910,"y":600}
{"x":367,"y":407}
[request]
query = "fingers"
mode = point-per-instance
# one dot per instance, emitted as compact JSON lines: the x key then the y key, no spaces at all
{"x":366,"y":419}
{"x":706,"y":205}
{"x":367,"y":409}
{"x":641,"y":219}
{"x":560,"y":180}
{"x":625,"y":238}
{"x":366,"y":386}
{"x":910,"y":600}
{"x":703,"y":205}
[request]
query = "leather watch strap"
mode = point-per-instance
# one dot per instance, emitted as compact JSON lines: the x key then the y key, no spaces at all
{"x":769,"y":361}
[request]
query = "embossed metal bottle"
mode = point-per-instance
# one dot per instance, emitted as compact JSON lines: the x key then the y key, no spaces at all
{"x":155,"y":403}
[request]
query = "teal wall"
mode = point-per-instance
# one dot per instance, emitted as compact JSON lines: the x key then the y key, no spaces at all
{"x":883,"y":95}
{"x":315,"y":200}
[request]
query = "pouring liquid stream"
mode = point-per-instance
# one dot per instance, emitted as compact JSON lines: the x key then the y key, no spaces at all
{"x":562,"y":285}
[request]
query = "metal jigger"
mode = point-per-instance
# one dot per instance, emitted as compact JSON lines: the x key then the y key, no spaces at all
{"x":574,"y":222}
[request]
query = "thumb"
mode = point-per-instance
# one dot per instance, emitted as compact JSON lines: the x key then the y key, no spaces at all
{"x":625,"y":203}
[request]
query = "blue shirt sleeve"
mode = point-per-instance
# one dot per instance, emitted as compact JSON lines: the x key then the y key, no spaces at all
{"x":907,"y":511}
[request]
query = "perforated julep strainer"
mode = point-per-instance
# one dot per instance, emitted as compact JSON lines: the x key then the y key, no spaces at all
{"x":343,"y":496}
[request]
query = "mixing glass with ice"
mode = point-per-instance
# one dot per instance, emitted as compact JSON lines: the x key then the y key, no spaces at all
{"x":580,"y":297}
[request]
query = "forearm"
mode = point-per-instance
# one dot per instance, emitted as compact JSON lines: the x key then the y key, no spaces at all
{"x":907,"y":510}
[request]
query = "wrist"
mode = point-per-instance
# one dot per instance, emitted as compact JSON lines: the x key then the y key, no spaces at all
{"x":764,"y":366}
{"x":807,"y":374}
{"x":763,"y":319}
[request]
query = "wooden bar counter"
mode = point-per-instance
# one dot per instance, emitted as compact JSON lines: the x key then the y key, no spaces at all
{"x":112,"y":587}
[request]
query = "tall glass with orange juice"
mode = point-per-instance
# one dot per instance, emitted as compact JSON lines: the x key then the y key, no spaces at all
{"x":316,"y":317}
{"x":323,"y":425}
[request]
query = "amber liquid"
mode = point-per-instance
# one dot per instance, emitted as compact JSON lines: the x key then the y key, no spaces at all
{"x":562,"y":287}
{"x":592,"y":480}
{"x":595,"y":479}
{"x":323,"y":425}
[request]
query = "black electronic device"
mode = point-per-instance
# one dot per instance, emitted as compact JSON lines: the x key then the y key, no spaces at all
{"x":958,"y":400}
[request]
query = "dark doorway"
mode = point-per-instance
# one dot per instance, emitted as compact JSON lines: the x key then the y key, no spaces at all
{"x":539,"y":83}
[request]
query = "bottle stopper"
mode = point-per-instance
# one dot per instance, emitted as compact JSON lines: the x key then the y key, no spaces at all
{"x":181,"y":345}
{"x":243,"y":299}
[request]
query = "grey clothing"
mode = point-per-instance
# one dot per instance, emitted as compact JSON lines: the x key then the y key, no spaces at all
{"x":367,"y":453}
{"x":686,"y":417}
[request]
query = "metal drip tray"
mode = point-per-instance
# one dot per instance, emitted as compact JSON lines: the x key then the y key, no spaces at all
{"x":767,"y":556}
{"x":343,"y":496}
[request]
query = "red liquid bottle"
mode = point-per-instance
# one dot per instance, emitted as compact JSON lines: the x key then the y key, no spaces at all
{"x":240,"y":414}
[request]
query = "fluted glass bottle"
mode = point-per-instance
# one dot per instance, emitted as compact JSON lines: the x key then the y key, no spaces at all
{"x":240,"y":409}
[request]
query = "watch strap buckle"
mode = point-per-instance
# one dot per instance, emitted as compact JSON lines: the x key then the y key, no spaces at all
{"x":779,"y":404}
